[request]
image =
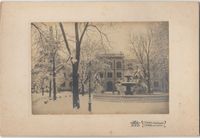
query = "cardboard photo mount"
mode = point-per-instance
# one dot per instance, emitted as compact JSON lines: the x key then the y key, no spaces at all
{"x":16,"y":117}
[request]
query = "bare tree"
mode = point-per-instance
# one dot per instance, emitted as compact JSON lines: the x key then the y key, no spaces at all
{"x":90,"y":50}
{"x":160,"y":59}
{"x":80,"y":30}
{"x":151,"y":51}
{"x":47,"y":46}
{"x":39,"y":56}
{"x":141,"y":46}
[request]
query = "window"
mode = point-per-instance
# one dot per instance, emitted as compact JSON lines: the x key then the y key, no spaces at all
{"x":110,"y":65}
{"x":101,"y":74}
{"x":109,"y":74}
{"x":119,"y":74}
{"x":156,"y":84}
{"x":119,"y":65}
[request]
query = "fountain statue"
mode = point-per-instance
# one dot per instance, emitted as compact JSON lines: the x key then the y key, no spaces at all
{"x":128,"y":84}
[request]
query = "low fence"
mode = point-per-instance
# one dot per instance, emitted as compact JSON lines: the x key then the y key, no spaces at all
{"x":132,"y":98}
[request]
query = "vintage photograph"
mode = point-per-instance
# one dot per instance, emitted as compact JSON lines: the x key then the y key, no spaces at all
{"x":100,"y":67}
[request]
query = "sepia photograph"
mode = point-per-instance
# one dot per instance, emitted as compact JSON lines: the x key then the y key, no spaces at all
{"x":100,"y":68}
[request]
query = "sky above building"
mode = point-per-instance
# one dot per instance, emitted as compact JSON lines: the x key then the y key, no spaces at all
{"x":118,"y":34}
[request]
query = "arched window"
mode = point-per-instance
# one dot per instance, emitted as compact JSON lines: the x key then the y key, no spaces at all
{"x":119,"y":65}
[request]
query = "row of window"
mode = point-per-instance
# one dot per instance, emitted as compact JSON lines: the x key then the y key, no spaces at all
{"x":118,"y":65}
{"x":110,"y":74}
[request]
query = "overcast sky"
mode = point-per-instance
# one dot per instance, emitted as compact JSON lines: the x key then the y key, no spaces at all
{"x":118,"y":33}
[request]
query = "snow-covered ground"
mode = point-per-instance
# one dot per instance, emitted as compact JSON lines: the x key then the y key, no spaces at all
{"x":63,"y":105}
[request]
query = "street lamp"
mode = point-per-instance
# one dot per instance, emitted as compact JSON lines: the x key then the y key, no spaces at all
{"x":50,"y":74}
{"x":90,"y":100}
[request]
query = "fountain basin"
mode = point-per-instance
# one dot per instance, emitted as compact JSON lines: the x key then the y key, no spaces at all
{"x":128,"y":87}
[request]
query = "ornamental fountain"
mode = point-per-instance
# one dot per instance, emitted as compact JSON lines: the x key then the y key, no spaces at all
{"x":128,"y":83}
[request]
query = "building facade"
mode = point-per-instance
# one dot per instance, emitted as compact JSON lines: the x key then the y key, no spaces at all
{"x":114,"y":73}
{"x":118,"y":67}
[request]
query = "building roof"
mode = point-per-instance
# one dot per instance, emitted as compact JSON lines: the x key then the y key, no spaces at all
{"x":130,"y":60}
{"x":111,"y":55}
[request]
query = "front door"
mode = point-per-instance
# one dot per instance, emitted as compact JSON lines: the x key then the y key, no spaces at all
{"x":109,"y":86}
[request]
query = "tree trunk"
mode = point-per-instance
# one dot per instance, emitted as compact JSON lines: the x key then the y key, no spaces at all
{"x":90,"y":101}
{"x":75,"y":65}
{"x":114,"y":87}
{"x":50,"y":88}
{"x":82,"y":89}
{"x":43,"y":88}
{"x":148,"y":75}
{"x":75,"y":91}
{"x":54,"y":79}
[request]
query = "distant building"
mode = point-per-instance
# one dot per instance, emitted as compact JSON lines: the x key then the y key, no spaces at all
{"x":119,"y":65}
{"x":115,"y":72}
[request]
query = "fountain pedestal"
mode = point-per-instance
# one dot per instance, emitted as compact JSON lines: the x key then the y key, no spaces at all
{"x":128,"y":90}
{"x":128,"y":85}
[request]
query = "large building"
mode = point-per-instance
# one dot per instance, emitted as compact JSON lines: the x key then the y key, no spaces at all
{"x":116,"y":71}
{"x":119,"y":66}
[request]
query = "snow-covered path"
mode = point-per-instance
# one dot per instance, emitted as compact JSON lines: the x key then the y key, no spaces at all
{"x":63,"y":105}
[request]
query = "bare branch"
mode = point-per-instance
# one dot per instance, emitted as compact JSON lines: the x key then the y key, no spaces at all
{"x":65,"y":39}
{"x":39,"y":30}
{"x":100,"y":32}
{"x":84,"y":30}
